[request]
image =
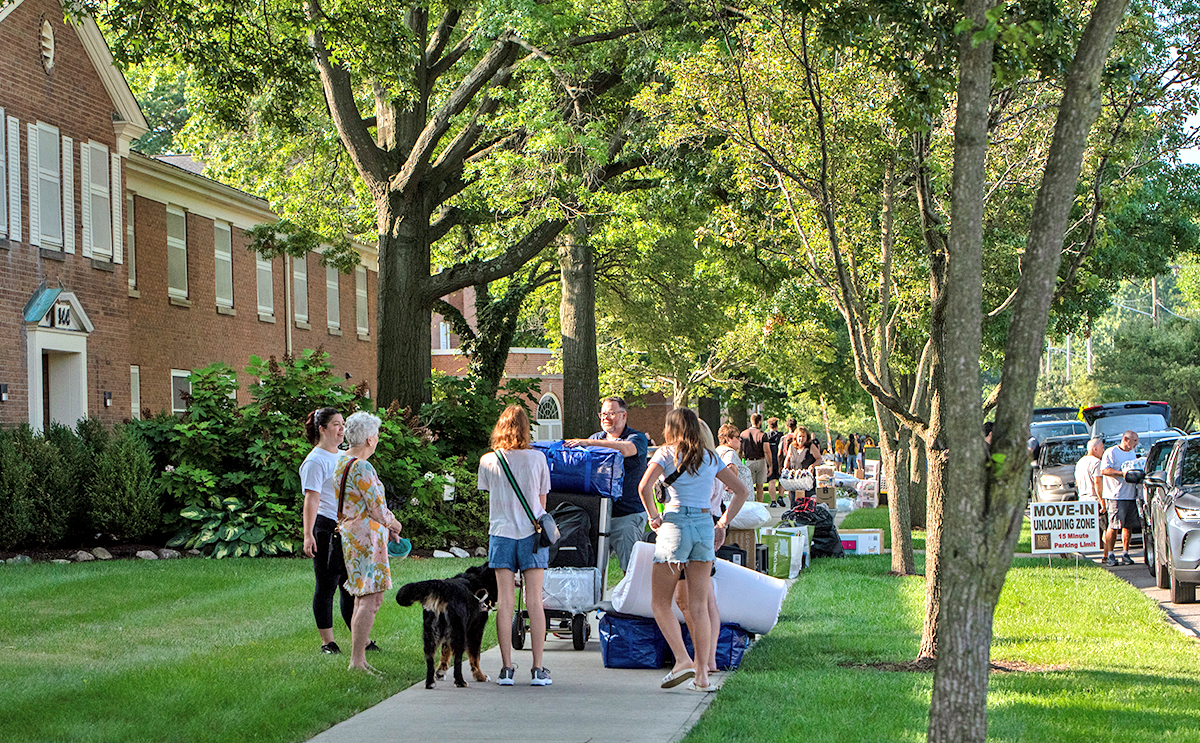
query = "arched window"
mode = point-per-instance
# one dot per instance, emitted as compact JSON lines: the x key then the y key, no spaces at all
{"x":549,"y":419}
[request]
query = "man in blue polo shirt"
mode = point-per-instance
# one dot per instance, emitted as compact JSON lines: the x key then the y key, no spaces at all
{"x":629,"y":518}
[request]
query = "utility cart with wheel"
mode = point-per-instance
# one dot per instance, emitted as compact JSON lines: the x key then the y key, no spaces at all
{"x":574,"y":583}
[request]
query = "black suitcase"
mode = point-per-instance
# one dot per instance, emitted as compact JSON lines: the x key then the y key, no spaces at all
{"x":734,"y":554}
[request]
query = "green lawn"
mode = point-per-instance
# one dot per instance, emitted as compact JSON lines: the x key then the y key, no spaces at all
{"x":877,"y":518}
{"x":1127,"y":675}
{"x":189,"y":651}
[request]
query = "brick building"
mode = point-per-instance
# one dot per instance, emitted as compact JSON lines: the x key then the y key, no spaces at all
{"x":122,"y":272}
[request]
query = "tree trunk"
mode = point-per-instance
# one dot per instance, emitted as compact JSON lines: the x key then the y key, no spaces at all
{"x":893,"y":455}
{"x":917,"y":472}
{"x":710,"y":412}
{"x":405,"y":342}
{"x":739,"y":415}
{"x":681,"y":395}
{"x":581,"y":369}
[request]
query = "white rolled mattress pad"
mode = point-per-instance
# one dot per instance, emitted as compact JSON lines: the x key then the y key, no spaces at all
{"x":745,"y":597}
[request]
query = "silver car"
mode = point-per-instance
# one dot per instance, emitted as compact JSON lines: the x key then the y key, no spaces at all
{"x":1054,"y":470}
{"x":1172,"y":513}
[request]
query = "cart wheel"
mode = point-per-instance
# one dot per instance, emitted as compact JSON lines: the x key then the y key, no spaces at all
{"x":579,"y":631}
{"x":518,"y":630}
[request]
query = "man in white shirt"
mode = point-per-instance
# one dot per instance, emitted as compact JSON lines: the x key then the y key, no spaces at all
{"x":1120,"y":498}
{"x":1087,"y":472}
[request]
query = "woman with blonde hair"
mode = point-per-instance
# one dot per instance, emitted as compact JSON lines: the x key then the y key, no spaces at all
{"x":803,"y":454}
{"x":366,"y":525}
{"x":685,"y":533}
{"x":512,"y":539}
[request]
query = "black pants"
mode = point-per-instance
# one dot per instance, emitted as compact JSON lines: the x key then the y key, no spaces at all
{"x":331,"y":577}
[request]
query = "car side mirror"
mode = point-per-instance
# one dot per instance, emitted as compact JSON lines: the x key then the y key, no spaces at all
{"x":1158,"y":480}
{"x":1135,"y":477}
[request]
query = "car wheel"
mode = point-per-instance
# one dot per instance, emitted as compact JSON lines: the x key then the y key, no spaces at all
{"x":1148,"y":546}
{"x":1162,"y":575}
{"x":1182,"y":593}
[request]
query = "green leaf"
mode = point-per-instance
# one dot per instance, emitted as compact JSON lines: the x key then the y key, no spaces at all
{"x":221,"y":551}
{"x":207,"y":536}
{"x":233,"y":504}
{"x":231,"y":532}
{"x":269,"y":548}
{"x":195,"y":513}
{"x":180,"y":537}
{"x":999,"y":459}
{"x":253,"y":535}
{"x":253,"y":550}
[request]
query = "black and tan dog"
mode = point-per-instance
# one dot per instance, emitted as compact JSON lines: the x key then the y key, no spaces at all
{"x":456,"y":613}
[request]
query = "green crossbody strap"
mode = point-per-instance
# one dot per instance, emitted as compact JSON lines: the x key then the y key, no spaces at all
{"x":517,"y":488}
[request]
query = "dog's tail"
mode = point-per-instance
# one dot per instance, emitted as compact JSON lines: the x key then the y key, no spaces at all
{"x":416,"y":593}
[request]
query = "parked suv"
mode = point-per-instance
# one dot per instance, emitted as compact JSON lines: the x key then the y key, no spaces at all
{"x":1172,"y":514}
{"x":1054,"y":470}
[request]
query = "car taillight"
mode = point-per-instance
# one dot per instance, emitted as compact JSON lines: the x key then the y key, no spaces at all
{"x":1187,"y":514}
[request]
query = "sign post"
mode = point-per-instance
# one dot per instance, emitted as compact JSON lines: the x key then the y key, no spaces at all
{"x":1070,"y":526}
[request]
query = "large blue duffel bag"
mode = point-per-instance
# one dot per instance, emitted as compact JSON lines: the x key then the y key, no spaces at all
{"x":632,"y":642}
{"x":731,"y":646}
{"x":588,"y":470}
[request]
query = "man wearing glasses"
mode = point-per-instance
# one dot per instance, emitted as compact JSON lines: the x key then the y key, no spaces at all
{"x":628,"y":522}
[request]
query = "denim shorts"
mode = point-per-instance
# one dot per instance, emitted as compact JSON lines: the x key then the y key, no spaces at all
{"x":685,"y":535}
{"x":517,"y":555}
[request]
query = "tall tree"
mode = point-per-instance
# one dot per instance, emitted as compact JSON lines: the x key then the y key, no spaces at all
{"x":449,"y":114}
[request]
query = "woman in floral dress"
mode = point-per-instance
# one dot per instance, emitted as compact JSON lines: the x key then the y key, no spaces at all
{"x":366,"y":525}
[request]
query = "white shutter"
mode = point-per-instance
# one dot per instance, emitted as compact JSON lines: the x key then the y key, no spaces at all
{"x":3,"y":181}
{"x":14,"y":178}
{"x":117,"y":200}
{"x":360,"y":300}
{"x":35,"y":222}
{"x":333,"y":305}
{"x":68,"y":190}
{"x":85,"y":204}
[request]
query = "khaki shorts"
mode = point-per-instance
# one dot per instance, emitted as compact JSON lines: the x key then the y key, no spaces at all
{"x":758,"y":470}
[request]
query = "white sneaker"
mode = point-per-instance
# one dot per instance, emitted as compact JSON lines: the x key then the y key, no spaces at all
{"x":541,"y":677}
{"x":507,"y":676}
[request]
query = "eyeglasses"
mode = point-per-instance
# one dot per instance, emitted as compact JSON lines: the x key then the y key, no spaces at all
{"x":612,"y":415}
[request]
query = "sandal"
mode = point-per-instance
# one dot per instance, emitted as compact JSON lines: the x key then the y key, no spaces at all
{"x":675,"y":678}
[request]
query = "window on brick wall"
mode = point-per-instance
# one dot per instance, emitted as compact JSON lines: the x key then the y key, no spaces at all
{"x":46,"y":186}
{"x":3,"y":178}
{"x":135,"y":392}
{"x":131,"y":253}
{"x":266,"y":286}
{"x":360,"y":300}
{"x":300,"y":287}
{"x":96,"y":201}
{"x":333,"y":308}
{"x":177,"y":253}
{"x":223,"y":263}
{"x":180,"y":386}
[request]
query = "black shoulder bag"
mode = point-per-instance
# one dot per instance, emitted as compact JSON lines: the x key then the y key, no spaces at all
{"x":660,"y":487}
{"x":545,"y":527}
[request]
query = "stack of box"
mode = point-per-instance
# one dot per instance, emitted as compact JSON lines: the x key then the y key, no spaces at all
{"x":745,"y":539}
{"x":826,"y":494}
{"x":862,"y":541}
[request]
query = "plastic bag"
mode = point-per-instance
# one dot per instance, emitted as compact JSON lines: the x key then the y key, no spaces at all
{"x":751,"y":516}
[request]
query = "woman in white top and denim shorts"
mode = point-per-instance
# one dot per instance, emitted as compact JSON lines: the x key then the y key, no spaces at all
{"x":686,"y":534}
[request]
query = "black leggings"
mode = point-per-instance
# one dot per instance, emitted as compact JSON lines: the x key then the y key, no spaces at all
{"x":329,"y":581}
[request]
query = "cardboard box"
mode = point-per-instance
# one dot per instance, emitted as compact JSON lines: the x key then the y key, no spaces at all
{"x":862,"y":541}
{"x":824,"y":475}
{"x":826,"y":495}
{"x":860,"y":473}
{"x":746,"y":539}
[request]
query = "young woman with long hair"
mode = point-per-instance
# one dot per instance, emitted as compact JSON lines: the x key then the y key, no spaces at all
{"x":512,"y":540}
{"x":686,"y":534}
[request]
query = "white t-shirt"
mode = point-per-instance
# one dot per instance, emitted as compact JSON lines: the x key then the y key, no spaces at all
{"x":506,"y":516}
{"x":1115,"y":488}
{"x":730,"y":456}
{"x":316,"y":473}
{"x":692,"y":491}
{"x":1087,"y":469}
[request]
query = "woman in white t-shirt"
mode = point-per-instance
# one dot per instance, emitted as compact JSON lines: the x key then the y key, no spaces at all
{"x":686,"y":534}
{"x":512,"y":540}
{"x":324,"y":429}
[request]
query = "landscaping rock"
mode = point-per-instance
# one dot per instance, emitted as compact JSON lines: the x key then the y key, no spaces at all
{"x":20,"y":560}
{"x":146,"y":555}
{"x":82,"y":556}
{"x":102,"y":554}
{"x":459,"y":552}
{"x":481,"y":551}
{"x":194,"y":552}
{"x":61,"y":562}
{"x":442,"y":553}
{"x":168,"y":554}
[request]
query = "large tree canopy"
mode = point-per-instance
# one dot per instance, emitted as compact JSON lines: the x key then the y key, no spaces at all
{"x":510,"y":118}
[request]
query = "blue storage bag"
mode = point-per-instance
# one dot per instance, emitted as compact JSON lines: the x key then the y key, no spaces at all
{"x":731,"y":646}
{"x":587,"y":470}
{"x":631,"y":642}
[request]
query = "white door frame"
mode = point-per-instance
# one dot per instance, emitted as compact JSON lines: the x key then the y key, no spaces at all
{"x":45,"y":335}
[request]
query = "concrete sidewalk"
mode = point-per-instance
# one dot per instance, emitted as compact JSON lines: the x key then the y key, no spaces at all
{"x":586,"y":702}
{"x":1184,"y":617}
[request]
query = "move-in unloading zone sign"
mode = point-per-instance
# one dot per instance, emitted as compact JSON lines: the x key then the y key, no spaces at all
{"x":1063,"y":527}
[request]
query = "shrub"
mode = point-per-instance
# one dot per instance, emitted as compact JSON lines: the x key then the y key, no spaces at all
{"x":39,"y":498}
{"x":123,"y":497}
